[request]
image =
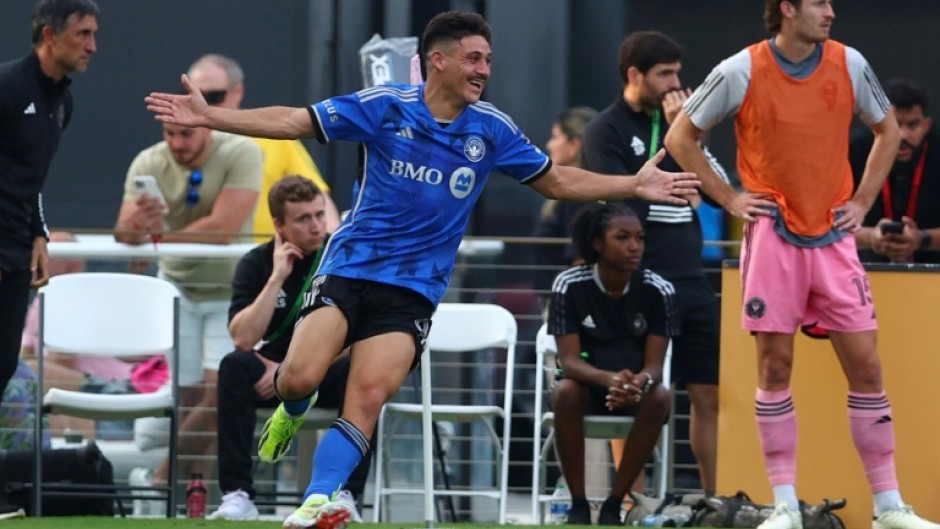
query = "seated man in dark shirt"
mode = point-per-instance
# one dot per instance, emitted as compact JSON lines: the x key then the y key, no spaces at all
{"x":268,"y":289}
{"x":903,"y":225}
{"x":612,"y":323}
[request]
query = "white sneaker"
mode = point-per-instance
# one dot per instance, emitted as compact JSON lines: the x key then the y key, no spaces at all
{"x":347,"y":497}
{"x":902,"y":518}
{"x":143,"y":477}
{"x":236,"y":505}
{"x":337,"y":513}
{"x":8,"y":512}
{"x":783,"y":517}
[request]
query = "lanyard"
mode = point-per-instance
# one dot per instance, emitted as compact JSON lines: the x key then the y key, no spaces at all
{"x":297,"y":302}
{"x":654,"y":135}
{"x":915,"y":190}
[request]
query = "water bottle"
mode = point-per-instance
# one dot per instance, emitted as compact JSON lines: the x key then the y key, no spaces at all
{"x":653,"y":520}
{"x":561,"y":502}
{"x":196,"y":497}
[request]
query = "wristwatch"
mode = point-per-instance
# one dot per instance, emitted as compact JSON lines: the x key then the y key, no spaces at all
{"x":926,"y":239}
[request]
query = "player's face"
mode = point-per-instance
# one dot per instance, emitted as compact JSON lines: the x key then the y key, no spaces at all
{"x":658,"y":81}
{"x":73,"y":47}
{"x":467,"y":67}
{"x":622,"y":245}
{"x":914,"y":126}
{"x":562,"y":149}
{"x":186,"y":144}
{"x":304,"y":224}
{"x":812,"y":19}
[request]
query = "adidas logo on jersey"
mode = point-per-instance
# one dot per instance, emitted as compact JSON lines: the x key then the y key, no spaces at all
{"x":405,"y":133}
{"x":588,"y":322}
{"x":31,"y":109}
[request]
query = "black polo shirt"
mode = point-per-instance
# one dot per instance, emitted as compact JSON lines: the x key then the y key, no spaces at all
{"x":34,"y":110}
{"x":617,"y":142}
{"x":251,"y":274}
{"x":900,"y":180}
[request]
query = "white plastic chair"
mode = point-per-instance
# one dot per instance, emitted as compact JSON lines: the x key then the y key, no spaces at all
{"x":108,"y":314}
{"x":595,"y":427}
{"x":455,"y":328}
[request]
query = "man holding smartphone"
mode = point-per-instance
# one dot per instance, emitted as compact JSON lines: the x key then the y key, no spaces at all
{"x":903,"y":224}
{"x":207,"y":189}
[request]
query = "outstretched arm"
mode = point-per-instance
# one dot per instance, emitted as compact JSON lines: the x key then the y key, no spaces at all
{"x":650,"y":183}
{"x":191,"y":110}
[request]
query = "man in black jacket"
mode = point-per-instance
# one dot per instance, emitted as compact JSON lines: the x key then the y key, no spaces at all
{"x":619,"y":141}
{"x":35,"y":107}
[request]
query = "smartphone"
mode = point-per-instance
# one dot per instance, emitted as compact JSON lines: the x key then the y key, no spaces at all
{"x":147,"y":184}
{"x":892,"y":227}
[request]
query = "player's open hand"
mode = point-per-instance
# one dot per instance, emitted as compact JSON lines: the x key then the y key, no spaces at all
{"x":181,"y":109}
{"x":749,"y":206}
{"x":656,"y":185}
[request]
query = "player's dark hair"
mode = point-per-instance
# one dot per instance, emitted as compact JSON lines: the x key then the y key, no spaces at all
{"x":293,"y":188}
{"x":453,"y":26}
{"x":907,"y":94}
{"x":591,"y":224}
{"x":773,"y":18}
{"x":644,"y":49}
{"x":56,"y":13}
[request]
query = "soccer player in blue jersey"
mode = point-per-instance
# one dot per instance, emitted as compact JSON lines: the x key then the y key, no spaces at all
{"x":426,"y":154}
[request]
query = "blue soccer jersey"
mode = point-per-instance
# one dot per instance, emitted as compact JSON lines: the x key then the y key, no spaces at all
{"x":418,"y":184}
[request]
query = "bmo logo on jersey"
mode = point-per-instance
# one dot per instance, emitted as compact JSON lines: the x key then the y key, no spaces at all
{"x":427,"y":175}
{"x":462,"y":181}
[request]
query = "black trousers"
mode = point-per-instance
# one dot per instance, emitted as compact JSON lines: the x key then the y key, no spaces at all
{"x":14,"y":300}
{"x":238,"y":405}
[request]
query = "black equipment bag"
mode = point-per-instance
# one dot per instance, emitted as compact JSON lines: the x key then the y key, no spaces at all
{"x":64,"y":471}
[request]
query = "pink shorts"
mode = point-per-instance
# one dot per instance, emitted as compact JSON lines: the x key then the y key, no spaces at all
{"x":786,"y":286}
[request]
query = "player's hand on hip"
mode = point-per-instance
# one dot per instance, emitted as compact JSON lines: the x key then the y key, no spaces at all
{"x":656,"y":185}
{"x":849,"y":216}
{"x":749,"y":206}
{"x":181,"y":109}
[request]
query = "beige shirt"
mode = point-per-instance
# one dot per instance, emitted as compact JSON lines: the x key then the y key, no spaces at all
{"x":234,"y":163}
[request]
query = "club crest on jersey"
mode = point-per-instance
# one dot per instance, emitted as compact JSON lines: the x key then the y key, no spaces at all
{"x":639,"y":325}
{"x":755,"y":308}
{"x":462,"y":181}
{"x":474,"y":149}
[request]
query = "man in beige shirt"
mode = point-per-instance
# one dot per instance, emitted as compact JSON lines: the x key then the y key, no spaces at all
{"x":210,"y":183}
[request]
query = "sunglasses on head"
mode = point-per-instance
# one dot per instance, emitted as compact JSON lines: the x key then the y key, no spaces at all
{"x":192,"y":194}
{"x":215,"y":97}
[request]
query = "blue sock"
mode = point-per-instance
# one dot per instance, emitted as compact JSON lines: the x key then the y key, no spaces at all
{"x":337,"y":456}
{"x":296,"y":408}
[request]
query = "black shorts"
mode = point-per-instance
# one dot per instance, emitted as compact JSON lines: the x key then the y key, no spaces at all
{"x":373,"y":308}
{"x":695,"y":353}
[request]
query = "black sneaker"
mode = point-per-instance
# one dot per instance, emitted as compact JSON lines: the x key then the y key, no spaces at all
{"x":610,"y":512}
{"x":579,"y":513}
